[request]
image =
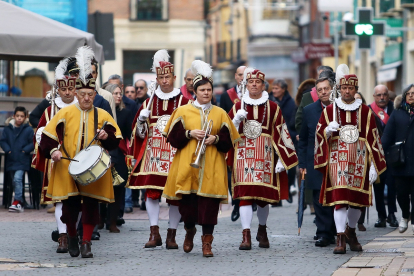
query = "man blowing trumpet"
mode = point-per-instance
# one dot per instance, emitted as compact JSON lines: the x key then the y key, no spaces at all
{"x":202,"y":134}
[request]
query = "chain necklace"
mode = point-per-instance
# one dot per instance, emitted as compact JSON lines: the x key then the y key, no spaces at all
{"x":175,"y":101}
{"x":339,"y":116}
{"x":264,"y":111}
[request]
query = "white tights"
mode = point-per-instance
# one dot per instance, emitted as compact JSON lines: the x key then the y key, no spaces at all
{"x":153,"y":210}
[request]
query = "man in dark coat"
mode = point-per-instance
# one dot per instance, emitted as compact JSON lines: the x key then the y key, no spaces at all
{"x":324,"y":214}
{"x":383,"y":107}
{"x":17,"y":143}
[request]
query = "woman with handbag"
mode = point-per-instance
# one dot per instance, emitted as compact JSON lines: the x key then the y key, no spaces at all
{"x":398,"y":143}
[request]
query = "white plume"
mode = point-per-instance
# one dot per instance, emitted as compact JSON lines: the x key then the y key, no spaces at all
{"x":61,"y":69}
{"x":199,"y":67}
{"x":341,"y":71}
{"x":160,"y":55}
{"x":247,"y":71}
{"x":84,"y":57}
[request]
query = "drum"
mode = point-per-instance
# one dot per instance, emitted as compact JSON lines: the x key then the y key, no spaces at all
{"x":93,"y":164}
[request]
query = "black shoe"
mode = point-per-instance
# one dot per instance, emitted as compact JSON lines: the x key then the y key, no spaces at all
{"x":290,"y":199}
{"x":73,"y":246}
{"x":143,"y":207}
{"x":235,"y":214}
{"x":55,"y":236}
{"x":128,"y":210}
{"x":392,"y":220}
{"x":120,"y":221}
{"x":135,"y":203}
{"x":380,"y":223}
{"x":315,"y":238}
{"x":332,"y":240}
{"x":95,"y":236}
{"x":322,"y":242}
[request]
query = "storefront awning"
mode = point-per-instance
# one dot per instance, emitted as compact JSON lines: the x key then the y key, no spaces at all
{"x":388,"y":72}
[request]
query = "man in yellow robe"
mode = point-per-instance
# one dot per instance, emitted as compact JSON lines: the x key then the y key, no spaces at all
{"x":199,"y":190}
{"x":70,"y":131}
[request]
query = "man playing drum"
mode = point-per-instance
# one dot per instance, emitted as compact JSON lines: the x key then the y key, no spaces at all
{"x":261,"y":157}
{"x":70,"y":131}
{"x":151,"y":150}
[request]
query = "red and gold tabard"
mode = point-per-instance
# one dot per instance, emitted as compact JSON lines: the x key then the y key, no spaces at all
{"x":153,"y":154}
{"x":345,"y":166}
{"x":254,"y":160}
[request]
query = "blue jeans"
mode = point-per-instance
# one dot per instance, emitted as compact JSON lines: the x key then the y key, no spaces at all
{"x":128,"y":198}
{"x":18,"y":185}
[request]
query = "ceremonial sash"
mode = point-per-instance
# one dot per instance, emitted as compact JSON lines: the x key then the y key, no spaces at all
{"x":380,"y":113}
{"x":233,"y":95}
{"x":314,"y":95}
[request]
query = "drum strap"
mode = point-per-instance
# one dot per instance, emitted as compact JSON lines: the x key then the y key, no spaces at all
{"x":95,"y":125}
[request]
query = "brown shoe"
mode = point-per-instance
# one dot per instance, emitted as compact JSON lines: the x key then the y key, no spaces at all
{"x":114,"y":229}
{"x":340,"y":244}
{"x":51,"y":210}
{"x":63,"y":243}
{"x":361,"y":227}
{"x":73,"y":246}
{"x":246,"y":244}
{"x":207,"y":241}
{"x":189,"y":238}
{"x":86,"y":249}
{"x":261,"y":237}
{"x":170,"y":241}
{"x":351,"y":239}
{"x":155,"y":238}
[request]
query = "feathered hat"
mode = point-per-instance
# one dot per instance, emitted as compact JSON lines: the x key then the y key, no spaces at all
{"x":61,"y":80}
{"x":343,"y":76}
{"x":255,"y":74}
{"x":161,"y":64}
{"x":247,"y":71}
{"x":84,"y":57}
{"x":201,"y":71}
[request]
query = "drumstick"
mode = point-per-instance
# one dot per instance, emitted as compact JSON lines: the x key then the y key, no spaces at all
{"x":96,"y":135}
{"x":67,"y":158}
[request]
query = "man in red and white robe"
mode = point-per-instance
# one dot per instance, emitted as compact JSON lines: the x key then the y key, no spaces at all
{"x":260,"y":159}
{"x":152,"y":152}
{"x":349,"y":153}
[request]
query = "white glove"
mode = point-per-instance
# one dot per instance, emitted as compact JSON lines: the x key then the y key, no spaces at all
{"x":241,"y":113}
{"x":372,"y":174}
{"x":279,"y":167}
{"x":144,"y":115}
{"x":39,"y":134}
{"x":331,"y":128}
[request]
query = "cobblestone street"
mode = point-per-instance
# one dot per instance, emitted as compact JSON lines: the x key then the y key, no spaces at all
{"x":26,"y":248}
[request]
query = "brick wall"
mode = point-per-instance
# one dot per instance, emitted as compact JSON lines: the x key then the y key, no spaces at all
{"x":178,"y":9}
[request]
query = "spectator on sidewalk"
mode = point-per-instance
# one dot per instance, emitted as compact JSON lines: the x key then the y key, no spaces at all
{"x":141,"y":89}
{"x":17,"y":143}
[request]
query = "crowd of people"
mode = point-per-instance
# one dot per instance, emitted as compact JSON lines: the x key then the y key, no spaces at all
{"x":178,"y":144}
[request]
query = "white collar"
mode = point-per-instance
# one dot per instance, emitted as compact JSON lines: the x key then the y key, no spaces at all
{"x":166,"y":96}
{"x":261,"y":100}
{"x":203,"y":106}
{"x":61,"y":104}
{"x":348,"y":107}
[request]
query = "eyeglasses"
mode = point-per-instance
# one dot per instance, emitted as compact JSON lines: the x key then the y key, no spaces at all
{"x":139,"y":87}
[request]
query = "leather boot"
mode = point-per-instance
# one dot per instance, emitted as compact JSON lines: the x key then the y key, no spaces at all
{"x":340,"y":244}
{"x":155,"y":238}
{"x":351,"y":239}
{"x":207,"y":241}
{"x":73,"y":246}
{"x":189,"y":238}
{"x":261,"y":237}
{"x":86,"y":249}
{"x":170,"y":241}
{"x":63,"y":243}
{"x":246,"y":244}
{"x":113,"y":228}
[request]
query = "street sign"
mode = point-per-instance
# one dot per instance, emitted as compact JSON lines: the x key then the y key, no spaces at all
{"x":364,"y":28}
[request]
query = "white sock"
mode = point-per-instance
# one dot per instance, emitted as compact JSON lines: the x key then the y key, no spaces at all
{"x":353,"y":216}
{"x":153,"y":210}
{"x":58,"y":213}
{"x":246,"y":216}
{"x":340,"y":216}
{"x":174,"y":217}
{"x":262,"y":214}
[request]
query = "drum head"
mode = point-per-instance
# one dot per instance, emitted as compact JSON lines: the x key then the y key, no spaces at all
{"x":86,"y":157}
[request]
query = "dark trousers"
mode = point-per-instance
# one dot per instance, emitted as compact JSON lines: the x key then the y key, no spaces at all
{"x":405,"y":188}
{"x":362,"y":217}
{"x":291,"y":176}
{"x":325,"y":223}
{"x":200,"y":210}
{"x":234,"y":202}
{"x":385,"y":179}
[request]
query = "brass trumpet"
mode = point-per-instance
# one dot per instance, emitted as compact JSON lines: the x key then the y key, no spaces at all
{"x":201,"y":147}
